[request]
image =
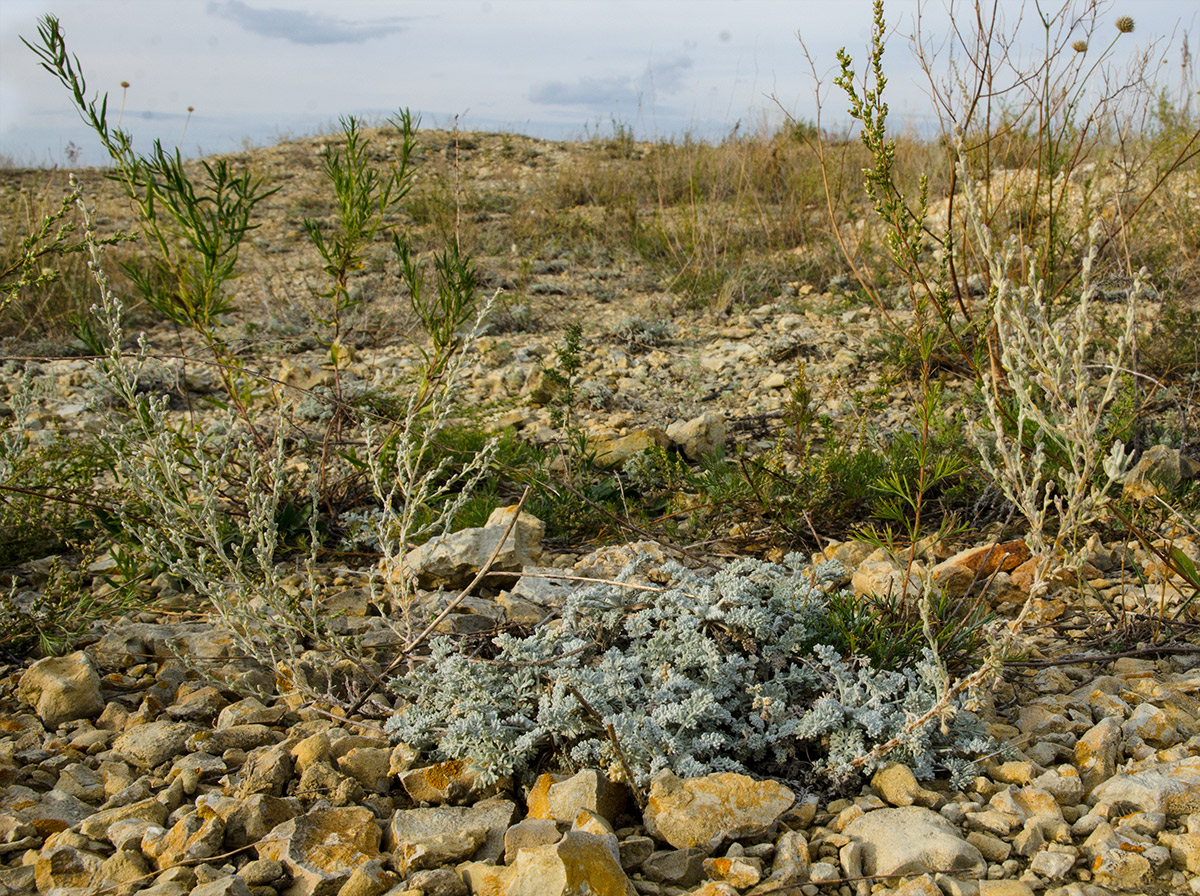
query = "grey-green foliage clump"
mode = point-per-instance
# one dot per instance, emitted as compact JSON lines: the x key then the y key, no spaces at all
{"x":706,"y":674}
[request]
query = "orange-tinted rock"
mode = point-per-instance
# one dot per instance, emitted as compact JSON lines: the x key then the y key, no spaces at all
{"x":704,"y":811}
{"x":445,"y":782}
{"x":579,"y":863}
{"x":322,"y":849}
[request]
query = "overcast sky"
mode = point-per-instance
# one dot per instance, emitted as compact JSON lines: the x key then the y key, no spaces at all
{"x":260,"y":69}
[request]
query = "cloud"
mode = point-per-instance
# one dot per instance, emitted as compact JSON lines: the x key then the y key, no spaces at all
{"x":586,"y":92}
{"x":663,"y":77}
{"x":306,"y":28}
{"x":666,"y":76}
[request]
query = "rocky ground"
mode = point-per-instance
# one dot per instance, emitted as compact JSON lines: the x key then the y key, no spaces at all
{"x":138,"y":764}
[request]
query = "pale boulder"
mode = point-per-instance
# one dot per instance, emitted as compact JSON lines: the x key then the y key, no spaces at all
{"x":704,"y":811}
{"x":453,"y":560}
{"x":323,"y":848}
{"x":913,"y":840}
{"x":61,"y":689}
{"x":578,"y":863}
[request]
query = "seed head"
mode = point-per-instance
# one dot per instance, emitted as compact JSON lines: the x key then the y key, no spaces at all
{"x":125,"y":84}
{"x":1125,"y":24}
{"x":1080,"y":46}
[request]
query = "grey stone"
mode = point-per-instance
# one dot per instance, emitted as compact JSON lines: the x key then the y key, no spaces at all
{"x":61,"y":689}
{"x":532,"y":832}
{"x":1172,"y":788}
{"x":912,"y":840}
{"x":587,"y":789}
{"x":437,"y":882}
{"x":149,"y":746}
{"x":321,"y":849}
{"x":453,"y":560}
{"x":492,"y":816}
{"x":439,"y":850}
{"x":634,"y":851}
{"x":682,"y":867}
{"x":229,"y":885}
{"x":699,"y":437}
{"x":1160,"y":469}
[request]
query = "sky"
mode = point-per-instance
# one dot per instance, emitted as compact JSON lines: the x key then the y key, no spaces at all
{"x":257,"y":71}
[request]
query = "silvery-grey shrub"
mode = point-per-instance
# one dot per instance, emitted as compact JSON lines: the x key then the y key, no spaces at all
{"x":705,"y":674}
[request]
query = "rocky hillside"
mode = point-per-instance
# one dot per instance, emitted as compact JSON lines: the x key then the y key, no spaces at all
{"x":179,"y":747}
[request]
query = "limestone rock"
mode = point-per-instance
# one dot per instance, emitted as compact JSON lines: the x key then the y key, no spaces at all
{"x":126,"y":866}
{"x":62,"y":689}
{"x":1160,"y":469}
{"x":912,"y":840}
{"x":96,"y":826}
{"x":531,"y":833}
{"x":588,"y":789}
{"x":435,"y":882}
{"x":149,"y":746}
{"x":1095,"y":753}
{"x":1121,"y":870}
{"x":1149,"y":723}
{"x":714,"y":888}
{"x":704,"y":811}
{"x":615,"y":452}
{"x":1172,"y":788}
{"x":449,"y":848}
{"x":63,"y":867}
{"x":369,"y":879}
{"x":453,"y":560}
{"x":699,"y":437}
{"x":191,"y":838}
{"x":234,"y":737}
{"x":918,"y":886}
{"x":369,"y":766}
{"x":742,"y":872}
{"x":883,"y":578}
{"x":681,"y":867}
{"x":1185,"y":850}
{"x":266,"y":770}
{"x":578,"y":863}
{"x":486,"y":879}
{"x":453,"y":781}
{"x":790,"y":866}
{"x":491,"y":816}
{"x":249,"y":711}
{"x":227,"y":885}
{"x":322,"y":849}
{"x":897,"y":785}
{"x":248,"y":819}
{"x":50,"y":812}
{"x":974,"y":566}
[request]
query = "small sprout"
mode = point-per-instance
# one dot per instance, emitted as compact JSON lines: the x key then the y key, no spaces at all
{"x":1125,"y":24}
{"x":1080,"y":46}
